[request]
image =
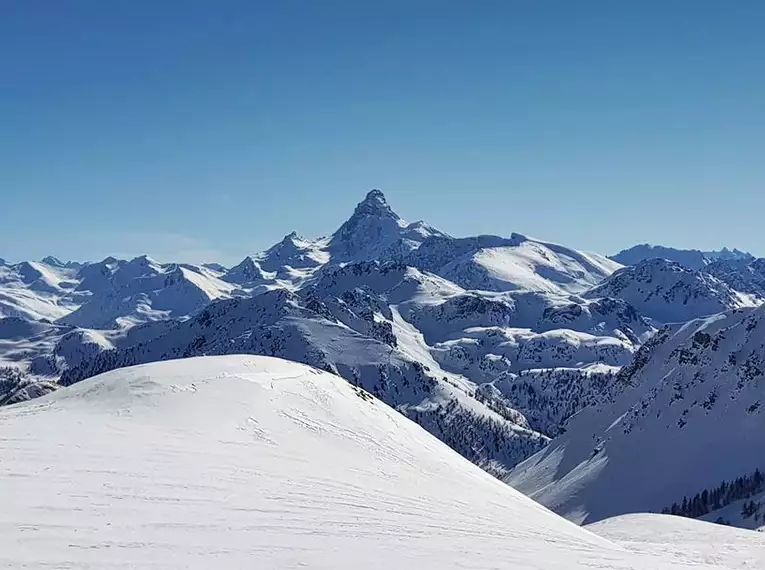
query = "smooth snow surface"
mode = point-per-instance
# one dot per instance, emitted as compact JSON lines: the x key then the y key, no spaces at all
{"x":681,"y":539}
{"x":254,"y":462}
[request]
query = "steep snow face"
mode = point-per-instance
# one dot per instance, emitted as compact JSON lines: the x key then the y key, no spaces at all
{"x":692,"y":258}
{"x":491,"y":263}
{"x":23,"y":341}
{"x":693,"y":390}
{"x":669,"y":292}
{"x":221,"y":461}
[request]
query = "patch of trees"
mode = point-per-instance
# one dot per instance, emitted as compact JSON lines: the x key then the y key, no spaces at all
{"x":727,"y":492}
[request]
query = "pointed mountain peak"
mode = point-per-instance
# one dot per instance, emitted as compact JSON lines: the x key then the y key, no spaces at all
{"x":375,"y":204}
{"x":246,"y":271}
{"x":292,"y":238}
{"x":246,"y":262}
{"x":52,"y":261}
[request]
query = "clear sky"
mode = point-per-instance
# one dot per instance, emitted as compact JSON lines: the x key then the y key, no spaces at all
{"x":201,"y":130}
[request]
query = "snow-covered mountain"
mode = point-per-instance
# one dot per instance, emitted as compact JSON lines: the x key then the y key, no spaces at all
{"x":492,"y":263}
{"x":219,"y":462}
{"x":685,"y":417}
{"x":745,"y":275}
{"x":491,"y":343}
{"x":692,"y":258}
{"x":36,"y":291}
{"x":144,"y":290}
{"x":669,"y":292}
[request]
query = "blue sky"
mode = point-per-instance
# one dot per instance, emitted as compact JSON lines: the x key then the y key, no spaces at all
{"x":198,"y":130}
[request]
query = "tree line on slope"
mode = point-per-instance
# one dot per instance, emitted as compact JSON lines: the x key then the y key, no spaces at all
{"x":727,"y":492}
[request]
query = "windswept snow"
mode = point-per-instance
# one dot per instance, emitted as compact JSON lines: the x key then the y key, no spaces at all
{"x":235,"y":462}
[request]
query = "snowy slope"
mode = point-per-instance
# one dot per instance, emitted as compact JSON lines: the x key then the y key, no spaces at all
{"x":676,"y":539}
{"x":492,"y":263}
{"x":669,"y":292}
{"x":226,"y":462}
{"x":685,"y":416}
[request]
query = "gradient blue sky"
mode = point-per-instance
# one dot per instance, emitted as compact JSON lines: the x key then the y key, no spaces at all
{"x":200,"y":130}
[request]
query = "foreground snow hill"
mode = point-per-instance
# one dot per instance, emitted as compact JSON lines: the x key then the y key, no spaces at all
{"x":233,"y":462}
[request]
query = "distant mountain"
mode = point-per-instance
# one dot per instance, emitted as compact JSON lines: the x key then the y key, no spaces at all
{"x":36,"y":291}
{"x":492,"y":263}
{"x":692,"y":258}
{"x":141,"y":290}
{"x":667,"y":291}
{"x":55,"y":262}
{"x":745,"y":275}
{"x":375,"y":231}
{"x":687,"y":415}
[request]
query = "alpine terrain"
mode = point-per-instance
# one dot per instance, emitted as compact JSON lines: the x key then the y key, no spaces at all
{"x":452,"y":332}
{"x":556,"y":370}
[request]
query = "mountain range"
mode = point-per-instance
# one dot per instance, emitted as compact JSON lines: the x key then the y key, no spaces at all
{"x":692,"y":258}
{"x":502,"y":347}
